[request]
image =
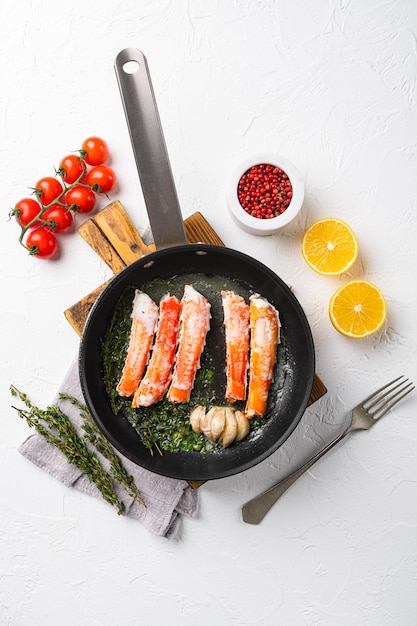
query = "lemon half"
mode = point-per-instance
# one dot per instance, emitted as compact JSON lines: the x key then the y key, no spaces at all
{"x":358,"y":309}
{"x":330,"y":246}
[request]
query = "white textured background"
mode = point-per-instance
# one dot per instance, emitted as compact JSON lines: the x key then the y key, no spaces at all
{"x":330,"y":84}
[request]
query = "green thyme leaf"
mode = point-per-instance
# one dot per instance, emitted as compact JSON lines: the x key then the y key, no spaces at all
{"x":57,"y":429}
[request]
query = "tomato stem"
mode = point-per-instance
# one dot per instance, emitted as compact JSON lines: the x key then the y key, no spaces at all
{"x":39,"y":220}
{"x":44,"y":208}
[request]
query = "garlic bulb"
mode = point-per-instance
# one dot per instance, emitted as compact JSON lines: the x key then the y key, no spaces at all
{"x":223,"y":424}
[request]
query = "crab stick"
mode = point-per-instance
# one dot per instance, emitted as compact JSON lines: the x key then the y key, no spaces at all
{"x":265,"y":328}
{"x":236,"y":323}
{"x":194,"y":326}
{"x":144,"y":318}
{"x":154,"y":384}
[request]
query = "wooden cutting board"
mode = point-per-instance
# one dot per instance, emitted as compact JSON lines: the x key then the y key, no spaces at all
{"x":113,"y":237}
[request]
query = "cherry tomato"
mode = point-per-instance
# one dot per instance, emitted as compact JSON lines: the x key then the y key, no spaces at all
{"x":42,"y":243}
{"x":102,"y":177}
{"x":71,"y":167}
{"x":26,"y":210}
{"x":96,"y":149}
{"x":61,"y":216}
{"x":82,"y":197}
{"x":48,"y":189}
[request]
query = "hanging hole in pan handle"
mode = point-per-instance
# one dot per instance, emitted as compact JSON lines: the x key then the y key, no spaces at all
{"x":131,"y":67}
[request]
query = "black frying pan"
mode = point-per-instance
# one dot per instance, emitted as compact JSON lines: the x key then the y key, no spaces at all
{"x":181,"y":262}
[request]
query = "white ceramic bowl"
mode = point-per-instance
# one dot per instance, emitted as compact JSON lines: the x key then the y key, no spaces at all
{"x":256,"y":225}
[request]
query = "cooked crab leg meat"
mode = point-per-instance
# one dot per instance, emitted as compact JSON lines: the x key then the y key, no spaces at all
{"x":156,"y":379}
{"x":144,"y":318}
{"x":194,"y":326}
{"x":236,"y":323}
{"x":265,"y":327}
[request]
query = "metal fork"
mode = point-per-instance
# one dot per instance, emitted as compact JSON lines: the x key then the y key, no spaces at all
{"x":363,"y":416}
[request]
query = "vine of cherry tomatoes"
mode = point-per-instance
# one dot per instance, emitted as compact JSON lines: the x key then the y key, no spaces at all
{"x":78,"y":179}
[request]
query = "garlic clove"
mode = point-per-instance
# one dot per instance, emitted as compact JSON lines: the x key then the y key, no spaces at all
{"x":230,"y":429}
{"x":205,"y":424}
{"x":243,"y":425}
{"x":216,"y":417}
{"x":196,"y":417}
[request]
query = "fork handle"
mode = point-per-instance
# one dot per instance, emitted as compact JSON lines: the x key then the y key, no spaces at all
{"x":255,"y":510}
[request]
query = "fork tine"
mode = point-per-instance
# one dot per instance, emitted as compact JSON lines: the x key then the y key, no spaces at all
{"x":388,"y":402}
{"x":379,"y":391}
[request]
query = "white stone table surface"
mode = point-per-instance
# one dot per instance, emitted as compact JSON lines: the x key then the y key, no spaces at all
{"x":332,"y":85}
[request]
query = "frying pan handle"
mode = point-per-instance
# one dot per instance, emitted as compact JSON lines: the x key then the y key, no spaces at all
{"x":149,"y":148}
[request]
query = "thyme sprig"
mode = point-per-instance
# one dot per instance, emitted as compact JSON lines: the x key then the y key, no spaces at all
{"x":57,"y":429}
{"x":100,"y":443}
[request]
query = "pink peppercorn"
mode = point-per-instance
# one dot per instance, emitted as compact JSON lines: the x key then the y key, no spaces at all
{"x":264,"y":191}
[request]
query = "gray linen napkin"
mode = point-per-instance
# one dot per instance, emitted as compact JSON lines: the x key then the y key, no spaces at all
{"x":165,"y":498}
